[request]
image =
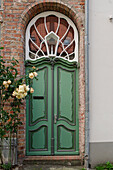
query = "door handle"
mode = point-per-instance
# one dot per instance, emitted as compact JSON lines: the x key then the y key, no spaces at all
{"x":55,"y":119}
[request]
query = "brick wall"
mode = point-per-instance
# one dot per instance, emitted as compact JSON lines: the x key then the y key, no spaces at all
{"x":14,"y":17}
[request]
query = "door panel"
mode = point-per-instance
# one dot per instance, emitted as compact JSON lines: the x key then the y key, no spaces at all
{"x":40,"y":97}
{"x":66,"y":125}
{"x":52,"y":115}
{"x":39,"y":117}
{"x":66,"y":139}
{"x":38,"y":138}
{"x":66,"y":94}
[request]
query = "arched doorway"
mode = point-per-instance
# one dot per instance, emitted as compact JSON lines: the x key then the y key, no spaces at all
{"x":52,"y":111}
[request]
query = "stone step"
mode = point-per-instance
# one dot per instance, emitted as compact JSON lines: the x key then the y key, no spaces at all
{"x":49,"y":167}
{"x":53,"y":162}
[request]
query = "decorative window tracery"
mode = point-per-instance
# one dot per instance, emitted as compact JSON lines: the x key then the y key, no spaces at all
{"x":51,"y":34}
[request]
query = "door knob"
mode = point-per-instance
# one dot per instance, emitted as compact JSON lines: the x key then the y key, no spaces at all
{"x":55,"y":119}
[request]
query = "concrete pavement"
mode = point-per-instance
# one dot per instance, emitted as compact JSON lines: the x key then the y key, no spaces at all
{"x":49,"y":167}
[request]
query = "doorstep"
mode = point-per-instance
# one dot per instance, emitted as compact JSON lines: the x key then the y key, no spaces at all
{"x":49,"y":167}
{"x":54,"y":160}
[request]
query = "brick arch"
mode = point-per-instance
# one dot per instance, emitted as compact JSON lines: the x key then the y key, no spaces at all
{"x":57,"y":6}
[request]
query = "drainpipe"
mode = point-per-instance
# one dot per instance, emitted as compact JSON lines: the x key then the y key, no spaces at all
{"x":87,"y":84}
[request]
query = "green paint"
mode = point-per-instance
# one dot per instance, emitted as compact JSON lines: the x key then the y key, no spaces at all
{"x":65,"y":106}
{"x":65,"y":95}
{"x":38,"y":132}
{"x":65,"y":139}
{"x":66,"y":128}
{"x":39,"y":138}
{"x":40,"y":113}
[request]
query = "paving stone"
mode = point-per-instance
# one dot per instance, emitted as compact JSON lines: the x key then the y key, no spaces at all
{"x":48,"y":167}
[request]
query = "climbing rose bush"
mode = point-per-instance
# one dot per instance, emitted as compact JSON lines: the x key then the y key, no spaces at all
{"x":21,"y":92}
{"x":13,"y":90}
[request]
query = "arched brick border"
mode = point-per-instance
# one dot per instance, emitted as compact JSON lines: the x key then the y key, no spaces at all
{"x":46,"y":5}
{"x":59,"y":6}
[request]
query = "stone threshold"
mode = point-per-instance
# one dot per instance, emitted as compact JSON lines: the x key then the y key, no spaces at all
{"x":28,"y":158}
{"x":53,"y":160}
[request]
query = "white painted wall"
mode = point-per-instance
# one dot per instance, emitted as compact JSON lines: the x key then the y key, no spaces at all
{"x":101,"y":70}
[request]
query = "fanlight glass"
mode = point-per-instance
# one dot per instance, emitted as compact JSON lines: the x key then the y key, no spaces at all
{"x":51,"y":34}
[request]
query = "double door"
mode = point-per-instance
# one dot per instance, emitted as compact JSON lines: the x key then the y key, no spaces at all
{"x":52,"y":111}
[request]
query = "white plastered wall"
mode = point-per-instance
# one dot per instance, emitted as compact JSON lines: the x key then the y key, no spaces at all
{"x":101,"y":70}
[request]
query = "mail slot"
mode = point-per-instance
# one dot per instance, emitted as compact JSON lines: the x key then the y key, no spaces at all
{"x":38,"y":97}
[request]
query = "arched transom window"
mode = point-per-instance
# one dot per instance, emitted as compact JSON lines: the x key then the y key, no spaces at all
{"x":52,"y":34}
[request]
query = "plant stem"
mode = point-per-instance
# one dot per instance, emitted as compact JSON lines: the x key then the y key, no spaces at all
{"x":10,"y":149}
{"x":1,"y":147}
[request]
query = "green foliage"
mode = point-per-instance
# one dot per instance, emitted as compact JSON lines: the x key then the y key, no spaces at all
{"x":9,"y":120}
{"x":13,"y":90}
{"x":100,"y":167}
{"x":6,"y":166}
{"x":108,"y":166}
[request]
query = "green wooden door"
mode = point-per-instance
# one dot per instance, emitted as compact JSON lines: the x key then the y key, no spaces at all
{"x":38,"y":130}
{"x":52,"y":115}
{"x":65,"y":110}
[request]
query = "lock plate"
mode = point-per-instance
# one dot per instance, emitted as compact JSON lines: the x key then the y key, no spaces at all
{"x":55,"y":119}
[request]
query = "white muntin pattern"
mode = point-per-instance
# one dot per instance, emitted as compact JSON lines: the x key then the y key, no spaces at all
{"x":52,"y":40}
